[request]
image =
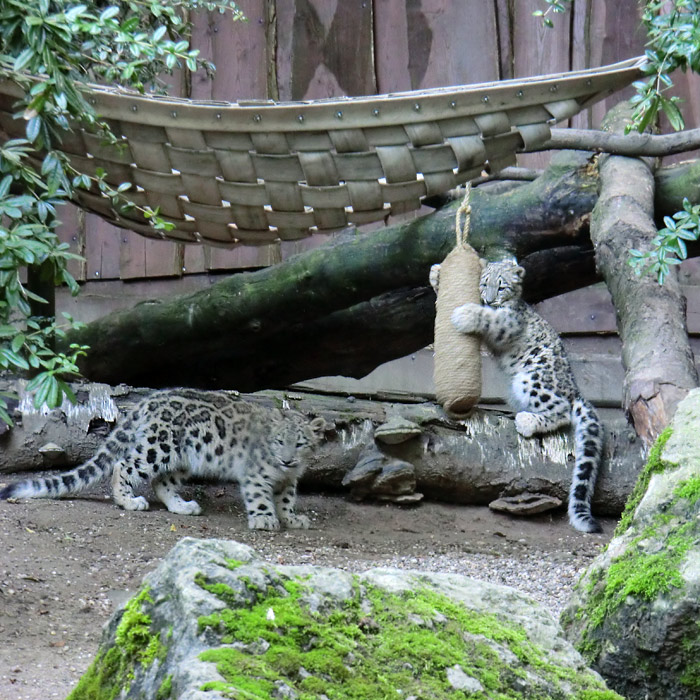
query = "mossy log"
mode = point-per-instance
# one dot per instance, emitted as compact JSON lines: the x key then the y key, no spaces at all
{"x":656,"y":354}
{"x":359,"y":301}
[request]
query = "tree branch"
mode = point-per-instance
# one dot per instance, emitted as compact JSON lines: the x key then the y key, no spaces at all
{"x":622,"y":144}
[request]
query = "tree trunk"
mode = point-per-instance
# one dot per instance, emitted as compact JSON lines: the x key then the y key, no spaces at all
{"x":357,"y":302}
{"x":656,"y":353}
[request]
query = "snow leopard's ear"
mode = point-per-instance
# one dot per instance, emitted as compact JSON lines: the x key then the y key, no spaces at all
{"x":519,"y":271}
{"x":318,"y":426}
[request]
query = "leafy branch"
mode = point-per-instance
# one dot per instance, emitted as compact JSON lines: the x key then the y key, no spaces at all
{"x":50,"y":48}
{"x":669,"y":245}
{"x":554,"y":6}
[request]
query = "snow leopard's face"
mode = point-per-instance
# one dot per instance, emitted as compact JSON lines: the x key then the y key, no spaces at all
{"x":500,"y":282}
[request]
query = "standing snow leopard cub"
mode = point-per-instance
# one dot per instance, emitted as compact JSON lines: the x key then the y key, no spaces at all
{"x":182,"y":433}
{"x":542,"y":386}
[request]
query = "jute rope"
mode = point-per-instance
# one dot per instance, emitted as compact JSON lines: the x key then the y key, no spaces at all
{"x":457,"y":372}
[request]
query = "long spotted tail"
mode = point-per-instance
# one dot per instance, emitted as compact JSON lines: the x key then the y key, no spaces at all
{"x":92,"y":471}
{"x":588,"y":444}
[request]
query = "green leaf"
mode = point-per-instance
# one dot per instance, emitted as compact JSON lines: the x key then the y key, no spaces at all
{"x":23,"y":59}
{"x":33,"y":128}
{"x":13,"y":358}
{"x":18,"y":342}
{"x":65,"y":388}
{"x":109,"y":13}
{"x":4,"y":415}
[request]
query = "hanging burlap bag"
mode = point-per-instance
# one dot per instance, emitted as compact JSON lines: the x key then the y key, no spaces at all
{"x":457,"y":372}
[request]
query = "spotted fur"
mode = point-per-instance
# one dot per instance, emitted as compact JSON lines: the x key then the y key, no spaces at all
{"x":543,"y":390}
{"x":183,"y":433}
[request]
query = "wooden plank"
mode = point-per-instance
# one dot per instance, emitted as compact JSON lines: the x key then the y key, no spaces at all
{"x":590,"y":310}
{"x":615,"y":33}
{"x":71,"y":230}
{"x":142,"y":257}
{"x":687,"y":87}
{"x":581,"y":51}
{"x":102,"y":241}
{"x":538,"y":51}
{"x":325,"y":48}
{"x":583,"y":311}
{"x":439,"y":54}
{"x":239,"y":50}
{"x":504,"y":28}
{"x":392,"y":52}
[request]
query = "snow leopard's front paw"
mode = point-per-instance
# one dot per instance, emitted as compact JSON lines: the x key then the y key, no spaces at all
{"x":434,"y":277}
{"x":137,"y":503}
{"x":294,"y":521}
{"x":184,"y":507}
{"x":264,"y":521}
{"x":526,"y":423}
{"x":465,"y":318}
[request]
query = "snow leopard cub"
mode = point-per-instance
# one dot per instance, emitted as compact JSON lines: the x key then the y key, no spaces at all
{"x":542,"y":386}
{"x":181,"y":433}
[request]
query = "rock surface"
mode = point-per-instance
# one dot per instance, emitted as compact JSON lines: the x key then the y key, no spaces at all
{"x":635,"y":614}
{"x":215,"y":621}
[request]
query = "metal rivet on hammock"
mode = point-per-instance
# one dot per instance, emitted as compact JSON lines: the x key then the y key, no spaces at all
{"x":375,"y":112}
{"x":173,"y":115}
{"x":134,"y":108}
{"x":589,"y":82}
{"x":300,"y":118}
{"x":485,"y":98}
{"x":453,"y":104}
{"x":257,"y":118}
{"x":554,"y":88}
{"x":93,"y":101}
{"x":218,"y":116}
{"x":416,"y":107}
{"x":338,"y":115}
{"x":520,"y":93}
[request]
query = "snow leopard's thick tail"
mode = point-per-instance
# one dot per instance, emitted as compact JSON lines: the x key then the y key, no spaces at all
{"x":96,"y":468}
{"x":588,"y":445}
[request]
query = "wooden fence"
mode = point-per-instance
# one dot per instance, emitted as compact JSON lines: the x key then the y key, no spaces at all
{"x":305,"y":49}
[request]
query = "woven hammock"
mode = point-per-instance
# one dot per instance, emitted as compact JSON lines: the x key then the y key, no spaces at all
{"x":250,"y":173}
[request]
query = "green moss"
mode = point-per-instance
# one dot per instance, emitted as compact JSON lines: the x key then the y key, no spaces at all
{"x":373,"y":645}
{"x":166,"y":688}
{"x":655,"y":465}
{"x":689,"y":489}
{"x":691,"y":651}
{"x":638,"y":573}
{"x":134,"y":646}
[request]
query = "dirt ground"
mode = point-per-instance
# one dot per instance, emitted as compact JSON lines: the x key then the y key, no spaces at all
{"x":66,"y":565}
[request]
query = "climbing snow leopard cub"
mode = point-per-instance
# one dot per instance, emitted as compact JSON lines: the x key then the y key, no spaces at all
{"x":181,"y":433}
{"x":542,"y":385}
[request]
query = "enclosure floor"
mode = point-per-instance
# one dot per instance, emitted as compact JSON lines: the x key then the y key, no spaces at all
{"x":65,"y":565}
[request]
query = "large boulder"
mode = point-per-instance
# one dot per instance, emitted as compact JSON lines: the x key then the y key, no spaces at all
{"x":635,"y":614}
{"x":214,"y":621}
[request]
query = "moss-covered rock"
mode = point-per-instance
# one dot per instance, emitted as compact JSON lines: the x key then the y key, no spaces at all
{"x":228,"y":625}
{"x":635,"y":614}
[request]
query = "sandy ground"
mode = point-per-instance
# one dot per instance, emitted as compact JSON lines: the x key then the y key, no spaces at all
{"x":65,"y":565}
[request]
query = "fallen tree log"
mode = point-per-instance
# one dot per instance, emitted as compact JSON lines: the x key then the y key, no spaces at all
{"x":656,"y":354}
{"x":472,"y":462}
{"x":351,"y":305}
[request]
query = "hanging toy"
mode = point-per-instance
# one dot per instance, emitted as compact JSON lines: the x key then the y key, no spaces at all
{"x":457,"y":372}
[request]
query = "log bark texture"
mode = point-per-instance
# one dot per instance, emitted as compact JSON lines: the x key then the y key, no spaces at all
{"x":656,"y":354}
{"x":473,"y":461}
